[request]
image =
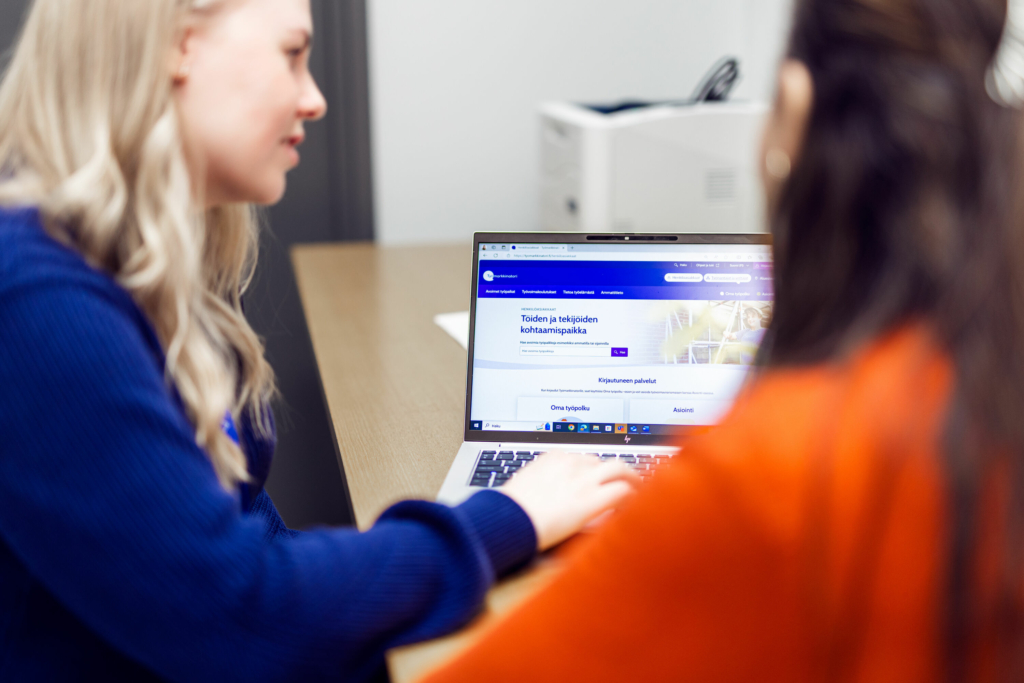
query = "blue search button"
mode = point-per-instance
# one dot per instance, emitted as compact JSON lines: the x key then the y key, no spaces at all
{"x":620,"y":353}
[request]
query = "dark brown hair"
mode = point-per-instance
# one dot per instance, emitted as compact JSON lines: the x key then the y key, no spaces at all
{"x":901,"y":207}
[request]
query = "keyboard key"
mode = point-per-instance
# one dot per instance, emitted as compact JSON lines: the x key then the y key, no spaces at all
{"x":536,"y":453}
{"x":524,"y":458}
{"x":627,"y":458}
{"x":609,"y":455}
{"x":506,"y":455}
{"x":490,"y":468}
{"x":488,"y":452}
{"x":522,"y":452}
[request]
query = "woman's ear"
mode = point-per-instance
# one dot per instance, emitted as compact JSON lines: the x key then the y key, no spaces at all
{"x":787,"y":126}
{"x":180,"y":61}
{"x":177,"y":63}
{"x":796,"y":98}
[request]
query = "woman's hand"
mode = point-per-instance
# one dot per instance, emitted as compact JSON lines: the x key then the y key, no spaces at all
{"x":563,"y":492}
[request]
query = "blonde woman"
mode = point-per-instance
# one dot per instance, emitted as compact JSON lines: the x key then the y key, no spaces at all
{"x":136,"y":540}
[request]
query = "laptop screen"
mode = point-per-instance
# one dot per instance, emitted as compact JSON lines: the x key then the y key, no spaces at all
{"x":589,"y":341}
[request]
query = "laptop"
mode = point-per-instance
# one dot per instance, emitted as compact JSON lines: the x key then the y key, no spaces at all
{"x":612,"y":345}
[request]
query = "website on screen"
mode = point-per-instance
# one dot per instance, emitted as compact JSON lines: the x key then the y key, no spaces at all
{"x":615,"y":338}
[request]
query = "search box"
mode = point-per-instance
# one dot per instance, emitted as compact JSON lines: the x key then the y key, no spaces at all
{"x":727,"y":277}
{"x":684,"y":277}
{"x":571,"y":351}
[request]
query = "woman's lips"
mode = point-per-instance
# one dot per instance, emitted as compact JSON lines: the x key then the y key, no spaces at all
{"x":290,"y":144}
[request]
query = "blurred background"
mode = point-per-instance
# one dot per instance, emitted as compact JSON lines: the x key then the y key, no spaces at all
{"x":433,"y":134}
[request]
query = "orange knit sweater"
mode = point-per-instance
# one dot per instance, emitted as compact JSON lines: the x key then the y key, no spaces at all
{"x":803,"y":540}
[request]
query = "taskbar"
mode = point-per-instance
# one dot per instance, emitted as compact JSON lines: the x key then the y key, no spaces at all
{"x":566,"y":428}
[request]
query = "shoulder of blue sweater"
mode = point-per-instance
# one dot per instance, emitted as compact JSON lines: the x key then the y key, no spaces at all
{"x":32,"y":260}
{"x":29,"y":257}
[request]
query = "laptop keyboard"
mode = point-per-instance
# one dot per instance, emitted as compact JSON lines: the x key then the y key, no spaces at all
{"x":494,"y":468}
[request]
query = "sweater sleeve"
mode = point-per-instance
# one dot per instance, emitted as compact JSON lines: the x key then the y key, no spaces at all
{"x":107,"y":500}
{"x":263,"y":508}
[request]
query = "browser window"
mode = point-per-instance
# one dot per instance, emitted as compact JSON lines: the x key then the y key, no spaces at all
{"x":615,"y":338}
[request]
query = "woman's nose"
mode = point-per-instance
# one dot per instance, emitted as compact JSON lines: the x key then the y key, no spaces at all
{"x":312,"y":106}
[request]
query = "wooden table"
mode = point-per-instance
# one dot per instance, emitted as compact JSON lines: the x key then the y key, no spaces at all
{"x":395,"y":385}
{"x":394,"y":382}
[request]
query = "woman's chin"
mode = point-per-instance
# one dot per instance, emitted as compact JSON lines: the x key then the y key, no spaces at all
{"x":266,"y":193}
{"x":270,"y":194}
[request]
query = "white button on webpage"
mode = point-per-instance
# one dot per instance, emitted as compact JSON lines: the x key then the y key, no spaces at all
{"x":727,"y":277}
{"x":572,"y":408}
{"x":681,"y":412}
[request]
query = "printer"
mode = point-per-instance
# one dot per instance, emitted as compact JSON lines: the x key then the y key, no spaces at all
{"x":683,"y":167}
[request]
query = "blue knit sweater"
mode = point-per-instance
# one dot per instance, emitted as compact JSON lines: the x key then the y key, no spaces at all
{"x":122,"y":558}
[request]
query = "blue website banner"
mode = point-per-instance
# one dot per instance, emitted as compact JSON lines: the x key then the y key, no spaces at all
{"x":679,"y":281}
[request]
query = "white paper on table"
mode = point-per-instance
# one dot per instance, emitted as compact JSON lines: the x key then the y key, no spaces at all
{"x":456,"y":325}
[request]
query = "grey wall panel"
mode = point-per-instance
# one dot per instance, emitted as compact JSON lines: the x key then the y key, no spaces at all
{"x":11,"y":14}
{"x":346,"y":84}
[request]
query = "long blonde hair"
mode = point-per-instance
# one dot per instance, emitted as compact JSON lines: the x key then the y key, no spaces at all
{"x":89,"y":134}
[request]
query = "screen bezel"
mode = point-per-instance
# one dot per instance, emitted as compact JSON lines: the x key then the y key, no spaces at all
{"x":638,"y":239}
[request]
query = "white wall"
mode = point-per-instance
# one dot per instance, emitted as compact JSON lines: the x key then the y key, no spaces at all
{"x":765,"y":31}
{"x":455,"y":84}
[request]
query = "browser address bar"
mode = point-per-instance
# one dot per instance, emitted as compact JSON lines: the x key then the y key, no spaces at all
{"x":750,"y":259}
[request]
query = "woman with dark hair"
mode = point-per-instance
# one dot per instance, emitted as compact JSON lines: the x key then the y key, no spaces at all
{"x":858,"y":515}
